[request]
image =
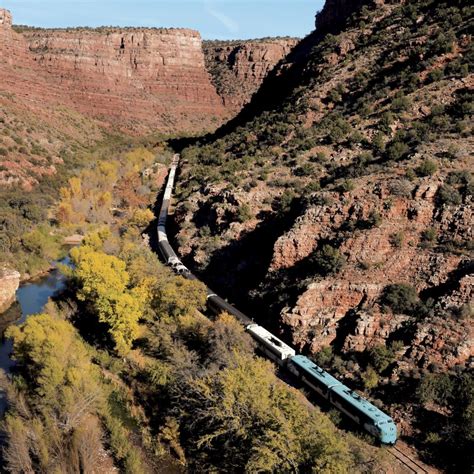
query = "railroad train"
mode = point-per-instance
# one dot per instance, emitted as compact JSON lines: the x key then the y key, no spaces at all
{"x":364,"y":413}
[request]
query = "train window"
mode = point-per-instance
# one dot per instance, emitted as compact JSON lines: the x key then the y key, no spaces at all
{"x":341,"y":401}
{"x":316,"y":382}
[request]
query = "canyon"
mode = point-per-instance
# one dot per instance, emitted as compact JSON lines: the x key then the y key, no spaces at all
{"x":70,"y":86}
{"x":311,"y":136}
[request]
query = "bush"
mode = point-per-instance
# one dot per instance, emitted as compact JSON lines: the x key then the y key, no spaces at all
{"x":346,"y":186}
{"x":429,"y":235}
{"x":397,"y":150}
{"x":328,"y":260}
{"x":244,"y":213}
{"x":378,"y":142}
{"x":427,"y":168}
{"x":402,"y":188}
{"x":401,"y":104}
{"x":436,"y":75}
{"x":396,"y":240}
{"x":448,"y":195}
{"x":400,"y":298}
{"x":381,"y":357}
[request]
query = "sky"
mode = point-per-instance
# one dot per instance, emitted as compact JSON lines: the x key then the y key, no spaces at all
{"x":214,"y":19}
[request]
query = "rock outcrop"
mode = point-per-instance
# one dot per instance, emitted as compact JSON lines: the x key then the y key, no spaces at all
{"x":238,"y":68}
{"x":9,"y":283}
{"x":344,"y":308}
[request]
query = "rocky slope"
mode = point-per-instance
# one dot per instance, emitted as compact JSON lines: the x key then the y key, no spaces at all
{"x":355,"y":177}
{"x":238,"y":68}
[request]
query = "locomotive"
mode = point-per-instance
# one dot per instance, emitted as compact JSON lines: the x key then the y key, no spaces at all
{"x":316,"y":379}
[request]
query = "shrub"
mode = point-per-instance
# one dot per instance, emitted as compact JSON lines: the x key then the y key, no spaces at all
{"x":401,"y":187}
{"x":448,"y":195}
{"x":400,"y":298}
{"x":328,"y":260}
{"x":436,"y":75}
{"x":397,"y":150}
{"x":396,"y":240}
{"x":3,"y":151}
{"x":305,"y":169}
{"x":378,"y":142}
{"x":427,"y":168}
{"x":346,"y":186}
{"x":386,"y":120}
{"x":452,"y":152}
{"x":374,"y":219}
{"x":381,"y":357}
{"x":244,"y":213}
{"x":428,"y":236}
{"x":401,"y":104}
{"x":370,"y":378}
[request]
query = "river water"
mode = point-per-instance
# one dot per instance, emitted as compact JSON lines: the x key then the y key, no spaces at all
{"x":31,"y":298}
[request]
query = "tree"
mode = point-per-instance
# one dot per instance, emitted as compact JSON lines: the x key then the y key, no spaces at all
{"x":401,"y":298}
{"x":381,"y":357}
{"x":55,"y":362}
{"x":52,"y":410}
{"x":104,"y":284}
{"x":328,"y":260}
{"x":242,"y":419}
{"x":177,"y":297}
{"x":370,"y":378}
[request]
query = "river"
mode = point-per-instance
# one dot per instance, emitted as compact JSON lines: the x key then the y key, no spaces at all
{"x":31,"y":299}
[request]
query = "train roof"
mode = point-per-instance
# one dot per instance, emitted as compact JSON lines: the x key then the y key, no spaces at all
{"x":261,"y":333}
{"x":309,"y":366}
{"x":377,"y":415}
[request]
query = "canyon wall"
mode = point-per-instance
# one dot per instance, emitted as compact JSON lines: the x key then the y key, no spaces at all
{"x":146,"y":77}
{"x":238,"y":68}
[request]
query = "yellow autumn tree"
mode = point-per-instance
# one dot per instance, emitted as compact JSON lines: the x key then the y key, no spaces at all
{"x":104,"y":284}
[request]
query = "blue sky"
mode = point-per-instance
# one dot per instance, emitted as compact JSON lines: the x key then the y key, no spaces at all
{"x":220,"y":19}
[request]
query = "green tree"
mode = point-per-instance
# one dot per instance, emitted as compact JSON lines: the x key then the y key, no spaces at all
{"x":370,"y":378}
{"x":401,"y":298}
{"x":242,"y":419}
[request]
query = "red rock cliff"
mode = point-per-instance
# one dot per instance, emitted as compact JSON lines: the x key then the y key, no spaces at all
{"x":153,"y":77}
{"x":239,"y":68}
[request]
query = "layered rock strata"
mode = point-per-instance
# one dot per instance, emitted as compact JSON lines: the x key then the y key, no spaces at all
{"x":239,"y":68}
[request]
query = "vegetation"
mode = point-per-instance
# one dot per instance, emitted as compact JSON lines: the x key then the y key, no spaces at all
{"x":401,"y":298}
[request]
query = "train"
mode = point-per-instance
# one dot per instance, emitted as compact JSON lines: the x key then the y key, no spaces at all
{"x":314,"y":378}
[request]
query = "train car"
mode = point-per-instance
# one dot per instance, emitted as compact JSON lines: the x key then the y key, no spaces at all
{"x":364,"y":413}
{"x":312,"y":376}
{"x":373,"y":420}
{"x":270,"y":345}
{"x":218,"y":305}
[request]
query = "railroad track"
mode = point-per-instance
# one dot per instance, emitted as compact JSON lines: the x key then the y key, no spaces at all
{"x":407,"y":461}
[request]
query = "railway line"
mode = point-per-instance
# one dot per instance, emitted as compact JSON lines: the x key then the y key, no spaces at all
{"x":411,"y":464}
{"x":312,"y":377}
